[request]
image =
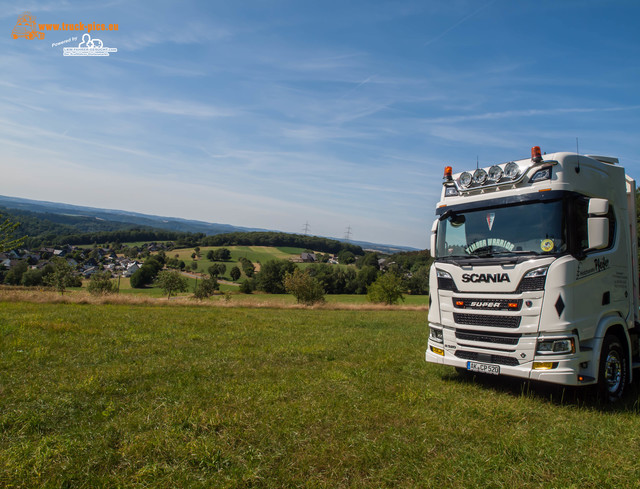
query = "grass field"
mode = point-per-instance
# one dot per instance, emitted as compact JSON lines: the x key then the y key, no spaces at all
{"x":146,"y":396}
{"x":257,"y":254}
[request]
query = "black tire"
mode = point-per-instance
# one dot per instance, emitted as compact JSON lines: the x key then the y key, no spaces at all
{"x":613,"y":372}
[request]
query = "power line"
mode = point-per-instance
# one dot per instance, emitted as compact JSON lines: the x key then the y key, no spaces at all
{"x":347,"y":233}
{"x":306,"y":228}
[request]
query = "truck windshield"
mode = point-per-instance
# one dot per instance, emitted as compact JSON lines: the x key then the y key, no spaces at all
{"x":536,"y":228}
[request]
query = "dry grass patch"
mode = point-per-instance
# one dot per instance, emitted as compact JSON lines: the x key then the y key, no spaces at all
{"x":43,"y":296}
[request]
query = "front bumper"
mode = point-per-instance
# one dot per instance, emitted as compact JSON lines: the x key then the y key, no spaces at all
{"x":566,"y":372}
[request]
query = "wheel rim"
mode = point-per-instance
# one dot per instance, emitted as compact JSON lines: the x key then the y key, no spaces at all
{"x":613,"y":372}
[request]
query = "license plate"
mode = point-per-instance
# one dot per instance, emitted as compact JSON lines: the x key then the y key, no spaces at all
{"x":483,"y":368}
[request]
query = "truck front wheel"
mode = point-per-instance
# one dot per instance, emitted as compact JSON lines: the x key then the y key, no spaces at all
{"x":613,"y":374}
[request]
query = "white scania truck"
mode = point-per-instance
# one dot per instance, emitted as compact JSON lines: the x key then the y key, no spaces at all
{"x":535,"y":273}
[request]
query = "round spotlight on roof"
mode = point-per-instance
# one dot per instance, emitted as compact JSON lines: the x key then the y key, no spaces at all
{"x":495,"y":173}
{"x":479,"y":176}
{"x":512,"y":170}
{"x":465,"y":179}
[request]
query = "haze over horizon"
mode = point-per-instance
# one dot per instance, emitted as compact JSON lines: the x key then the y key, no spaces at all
{"x":273,"y":115}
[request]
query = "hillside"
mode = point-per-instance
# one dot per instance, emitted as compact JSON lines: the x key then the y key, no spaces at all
{"x":66,"y":219}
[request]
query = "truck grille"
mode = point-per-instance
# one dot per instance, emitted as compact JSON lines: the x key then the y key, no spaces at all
{"x":487,"y":358}
{"x":487,"y":320}
{"x":503,"y":339}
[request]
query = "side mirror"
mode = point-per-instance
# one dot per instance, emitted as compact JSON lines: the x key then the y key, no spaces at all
{"x":598,"y":227}
{"x":434,"y":229}
{"x":598,"y":207}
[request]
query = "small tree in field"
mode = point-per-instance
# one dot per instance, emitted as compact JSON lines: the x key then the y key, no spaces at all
{"x":217,"y":269}
{"x":101,"y":284}
{"x":387,"y":289}
{"x":247,"y":286}
{"x":171,"y":282}
{"x":305,"y":288}
{"x":206,"y":288}
{"x":62,"y":275}
{"x":235,"y":274}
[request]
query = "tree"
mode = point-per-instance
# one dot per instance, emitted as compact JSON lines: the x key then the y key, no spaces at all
{"x":14,"y":276}
{"x":206,"y":288}
{"x":222,"y":254}
{"x":270,"y":279}
{"x":62,"y":275}
{"x":369,"y":259}
{"x":418,"y":282}
{"x":7,"y":229}
{"x":366,"y":276}
{"x":217,"y":269}
{"x":346,"y":257}
{"x":194,"y":265}
{"x":171,"y":282}
{"x":386,"y":289}
{"x":142,"y":277}
{"x":247,"y":267}
{"x":235,"y":274}
{"x":31,"y":278}
{"x":210,"y":255}
{"x":306,"y":289}
{"x":247,"y":286}
{"x":101,"y":284}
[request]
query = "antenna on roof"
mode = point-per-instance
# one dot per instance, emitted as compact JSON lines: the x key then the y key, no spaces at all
{"x":578,"y":153}
{"x":477,"y":162}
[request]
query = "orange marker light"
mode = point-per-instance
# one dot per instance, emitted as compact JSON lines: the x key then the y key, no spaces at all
{"x":536,"y":154}
{"x":459,"y":303}
{"x":448,"y":173}
{"x":513,"y":305}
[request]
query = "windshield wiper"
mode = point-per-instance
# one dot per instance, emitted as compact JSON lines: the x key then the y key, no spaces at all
{"x":517,"y":252}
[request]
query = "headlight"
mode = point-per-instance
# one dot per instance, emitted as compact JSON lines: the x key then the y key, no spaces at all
{"x":445,"y":280}
{"x":443,"y":274}
{"x":435,"y":335}
{"x":479,"y":176}
{"x":538,"y":272}
{"x":512,"y":170}
{"x":495,"y":173}
{"x":540,"y":175}
{"x":465,"y":179}
{"x":556,"y":347}
{"x":450,"y":191}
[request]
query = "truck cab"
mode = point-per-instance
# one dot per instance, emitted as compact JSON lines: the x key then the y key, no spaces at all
{"x":535,"y":273}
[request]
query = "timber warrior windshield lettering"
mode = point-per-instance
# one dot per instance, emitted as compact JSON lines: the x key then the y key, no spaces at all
{"x":485,"y":277}
{"x":484,"y":243}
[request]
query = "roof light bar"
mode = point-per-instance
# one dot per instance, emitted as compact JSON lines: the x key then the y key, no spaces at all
{"x":509,"y":173}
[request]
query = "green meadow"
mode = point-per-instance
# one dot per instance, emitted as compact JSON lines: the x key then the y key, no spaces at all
{"x":257,"y":254}
{"x":126,"y":395}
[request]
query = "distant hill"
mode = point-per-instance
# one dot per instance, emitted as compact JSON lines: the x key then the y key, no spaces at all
{"x":74,"y":219}
{"x":146,"y":220}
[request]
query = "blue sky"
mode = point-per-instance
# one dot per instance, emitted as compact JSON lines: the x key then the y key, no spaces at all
{"x":272,"y":114}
